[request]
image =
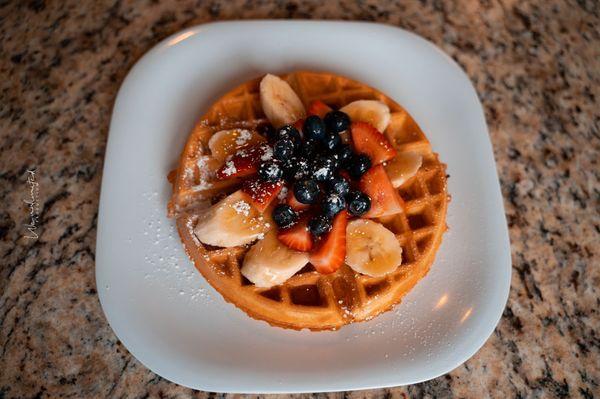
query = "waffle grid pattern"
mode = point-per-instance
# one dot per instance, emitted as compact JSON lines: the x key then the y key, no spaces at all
{"x":309,"y":299}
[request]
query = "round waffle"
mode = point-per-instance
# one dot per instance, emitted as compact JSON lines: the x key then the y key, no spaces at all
{"x":309,"y":299}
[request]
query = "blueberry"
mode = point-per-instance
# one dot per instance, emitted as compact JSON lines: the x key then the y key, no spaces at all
{"x":358,"y":165}
{"x":359,"y":203}
{"x":270,"y":171}
{"x":284,"y":215}
{"x":314,"y":128}
{"x":296,"y":168}
{"x":336,"y":161}
{"x":333,"y":204}
{"x":290,"y":132}
{"x":268,"y":131}
{"x":332,"y":141}
{"x":283,"y":149}
{"x":319,"y":225}
{"x":338,"y":185}
{"x":306,"y":191}
{"x":337,"y":121}
{"x":310,"y":148}
{"x":323,"y":168}
{"x":344,"y":154}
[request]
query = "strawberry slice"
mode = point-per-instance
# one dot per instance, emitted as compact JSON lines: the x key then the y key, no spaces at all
{"x":385,"y":200}
{"x":260,"y":192}
{"x":319,"y":108}
{"x":368,"y":140}
{"x":294,"y":203}
{"x":297,"y":237}
{"x":330,"y":252}
{"x":243,"y":163}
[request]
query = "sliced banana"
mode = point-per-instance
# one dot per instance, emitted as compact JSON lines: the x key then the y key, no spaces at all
{"x":374,"y":112}
{"x":279,"y":101}
{"x":404,"y":166}
{"x":231,"y":222}
{"x":372,"y":249}
{"x":270,"y":263}
{"x":227,"y":142}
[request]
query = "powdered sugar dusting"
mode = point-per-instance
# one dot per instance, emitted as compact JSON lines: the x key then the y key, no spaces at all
{"x":230,"y":168}
{"x":321,"y":172}
{"x":242,"y":208}
{"x":204,"y":171}
{"x":267,"y":155}
{"x":243,"y":137}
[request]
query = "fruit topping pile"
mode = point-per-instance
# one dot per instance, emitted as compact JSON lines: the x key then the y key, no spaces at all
{"x":310,"y":180}
{"x":328,"y":180}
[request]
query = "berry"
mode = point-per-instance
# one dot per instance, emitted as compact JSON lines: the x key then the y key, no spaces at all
{"x":319,"y":225}
{"x":314,"y":128}
{"x":368,"y":140}
{"x":318,"y":108}
{"x":385,"y":200}
{"x":306,"y":191}
{"x":283,"y":149}
{"x":296,"y":168}
{"x":337,"y":121}
{"x":290,"y":132}
{"x":270,"y":171}
{"x":294,"y":203}
{"x":332,"y":141}
{"x":344,"y":154}
{"x":284,"y":216}
{"x":261,"y":193}
{"x":359,"y":203}
{"x":333,"y":204}
{"x":338,"y":185}
{"x":330,"y":251}
{"x":244,"y":162}
{"x":358,"y":165}
{"x":268,"y":131}
{"x":297,"y":236}
{"x":323,"y":168}
{"x":310,"y":149}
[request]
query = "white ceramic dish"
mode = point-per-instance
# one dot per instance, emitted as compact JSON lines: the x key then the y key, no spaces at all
{"x":167,"y":315}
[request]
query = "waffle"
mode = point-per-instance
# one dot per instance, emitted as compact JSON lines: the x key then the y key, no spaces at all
{"x":309,"y":299}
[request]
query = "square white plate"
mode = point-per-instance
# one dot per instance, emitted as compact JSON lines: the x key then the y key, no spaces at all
{"x":168,"y":316}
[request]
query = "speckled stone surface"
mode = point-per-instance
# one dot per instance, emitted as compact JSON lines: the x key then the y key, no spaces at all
{"x":536,"y":67}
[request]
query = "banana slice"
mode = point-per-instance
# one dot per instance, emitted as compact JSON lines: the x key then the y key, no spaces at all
{"x":371,"y":249}
{"x":226,"y":142}
{"x":231,"y":222}
{"x":374,"y":112}
{"x":404,"y":166}
{"x":280,"y":103}
{"x":270,"y":263}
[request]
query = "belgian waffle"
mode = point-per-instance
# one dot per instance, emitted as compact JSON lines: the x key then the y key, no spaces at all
{"x":309,"y":299}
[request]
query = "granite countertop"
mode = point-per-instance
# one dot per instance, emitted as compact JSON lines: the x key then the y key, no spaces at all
{"x":535,"y":65}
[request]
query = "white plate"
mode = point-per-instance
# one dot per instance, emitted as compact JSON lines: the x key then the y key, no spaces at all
{"x":166,"y":314}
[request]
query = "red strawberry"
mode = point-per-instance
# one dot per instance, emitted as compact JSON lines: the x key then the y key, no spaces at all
{"x":260,"y":192}
{"x":385,"y":200}
{"x":243,"y":163}
{"x":318,"y":108}
{"x":294,"y":203}
{"x":330,"y":252}
{"x":368,"y":140}
{"x":297,"y":237}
